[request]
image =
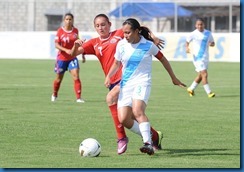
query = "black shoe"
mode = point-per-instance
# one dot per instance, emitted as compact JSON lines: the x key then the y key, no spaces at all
{"x":147,"y":148}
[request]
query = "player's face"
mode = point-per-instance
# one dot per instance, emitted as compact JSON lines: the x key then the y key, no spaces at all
{"x":102,"y":26}
{"x":199,"y":25}
{"x":68,"y":21}
{"x":130,"y":35}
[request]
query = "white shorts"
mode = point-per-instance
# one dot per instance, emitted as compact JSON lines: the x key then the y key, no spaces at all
{"x":129,"y":93}
{"x":200,"y":65}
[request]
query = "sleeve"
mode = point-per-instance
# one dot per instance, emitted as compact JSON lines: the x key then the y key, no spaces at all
{"x":159,"y":55}
{"x":154,"y":49}
{"x":211,"y":39}
{"x":156,"y":52}
{"x":120,"y":33}
{"x":119,"y":51}
{"x":88,"y":47}
{"x":57,"y":37}
{"x":189,"y":37}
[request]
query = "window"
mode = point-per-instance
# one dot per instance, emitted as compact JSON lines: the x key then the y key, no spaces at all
{"x":54,"y":22}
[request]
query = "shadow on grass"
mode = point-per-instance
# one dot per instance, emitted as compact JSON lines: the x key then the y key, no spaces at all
{"x":185,"y":152}
{"x":196,"y":152}
{"x":227,"y":96}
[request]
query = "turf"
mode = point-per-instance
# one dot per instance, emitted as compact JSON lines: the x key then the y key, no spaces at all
{"x":199,"y":132}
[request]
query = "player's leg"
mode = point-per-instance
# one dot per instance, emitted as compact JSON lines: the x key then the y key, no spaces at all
{"x":139,"y":107}
{"x":60,"y":68}
{"x":132,"y":124}
{"x":74,"y":71}
{"x":204,"y":75}
{"x":140,"y":98}
{"x":111,"y":99}
{"x":56,"y":85}
{"x":194,"y":84}
{"x":197,"y":80}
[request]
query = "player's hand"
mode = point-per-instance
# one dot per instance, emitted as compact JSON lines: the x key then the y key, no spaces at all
{"x":83,"y":58}
{"x":68,"y":51}
{"x":179,"y":83}
{"x":107,"y":82}
{"x":79,"y":42}
{"x":211,"y":44}
{"x":159,"y":42}
{"x":188,"y":50}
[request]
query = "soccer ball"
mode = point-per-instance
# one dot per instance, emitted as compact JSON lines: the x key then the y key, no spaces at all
{"x":90,"y":148}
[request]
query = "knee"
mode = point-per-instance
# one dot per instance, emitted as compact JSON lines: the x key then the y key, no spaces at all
{"x":75,"y":77}
{"x":122,"y":120}
{"x":125,"y":121}
{"x":137,"y":114}
{"x":111,"y":99}
{"x":58,"y":80}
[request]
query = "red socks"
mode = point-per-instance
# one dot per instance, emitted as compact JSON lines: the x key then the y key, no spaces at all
{"x":119,"y":127}
{"x":56,"y":86}
{"x":154,"y":134}
{"x":77,"y":87}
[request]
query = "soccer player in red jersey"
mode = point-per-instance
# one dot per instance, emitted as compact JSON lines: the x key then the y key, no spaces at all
{"x":64,"y":41}
{"x":104,"y":48}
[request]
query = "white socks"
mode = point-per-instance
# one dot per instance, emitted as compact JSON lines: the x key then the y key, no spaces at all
{"x":207,"y":88}
{"x":135,"y":128}
{"x":145,"y":129}
{"x":193,"y":85}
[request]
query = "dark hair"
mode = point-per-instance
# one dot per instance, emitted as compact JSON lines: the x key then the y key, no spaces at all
{"x":136,"y":25}
{"x":69,"y":14}
{"x":200,"y":19}
{"x":101,"y":15}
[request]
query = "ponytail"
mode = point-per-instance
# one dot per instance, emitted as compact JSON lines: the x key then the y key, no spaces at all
{"x":144,"y":31}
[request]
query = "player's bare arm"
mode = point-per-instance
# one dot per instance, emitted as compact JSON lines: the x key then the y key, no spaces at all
{"x":77,"y":48}
{"x":187,"y":47}
{"x":60,"y":48}
{"x":168,"y":68}
{"x":111,"y":72}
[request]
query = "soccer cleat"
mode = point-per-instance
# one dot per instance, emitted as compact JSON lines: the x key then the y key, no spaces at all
{"x":191,"y":92}
{"x":147,"y":148}
{"x":211,"y":95}
{"x":53,"y":98}
{"x":122,"y":145}
{"x":80,"y":101}
{"x":157,"y":145}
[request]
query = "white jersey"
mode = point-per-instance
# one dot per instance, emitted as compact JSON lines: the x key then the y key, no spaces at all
{"x":136,"y":60}
{"x":200,"y":42}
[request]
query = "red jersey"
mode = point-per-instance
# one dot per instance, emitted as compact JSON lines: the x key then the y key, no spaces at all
{"x":105,"y":49}
{"x":66,"y":39}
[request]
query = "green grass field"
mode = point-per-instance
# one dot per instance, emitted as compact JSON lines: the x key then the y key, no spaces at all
{"x":36,"y":133}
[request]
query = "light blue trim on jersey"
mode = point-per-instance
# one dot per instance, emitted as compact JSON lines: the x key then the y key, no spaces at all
{"x":134,"y":61}
{"x":203,"y":47}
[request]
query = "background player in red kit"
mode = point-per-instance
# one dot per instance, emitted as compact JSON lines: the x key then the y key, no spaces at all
{"x":104,"y":48}
{"x":64,"y":41}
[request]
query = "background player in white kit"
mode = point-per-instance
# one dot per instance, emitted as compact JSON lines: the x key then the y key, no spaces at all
{"x":201,"y":39}
{"x":135,"y":53}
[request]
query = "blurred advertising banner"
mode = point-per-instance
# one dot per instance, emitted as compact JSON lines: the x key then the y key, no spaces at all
{"x":40,"y":45}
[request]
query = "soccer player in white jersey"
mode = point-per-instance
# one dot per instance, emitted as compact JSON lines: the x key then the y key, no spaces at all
{"x":201,"y":39}
{"x":135,"y":53}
